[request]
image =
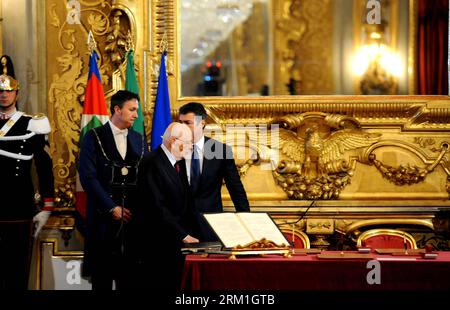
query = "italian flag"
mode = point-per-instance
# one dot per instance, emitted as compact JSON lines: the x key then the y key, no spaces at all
{"x":131,"y":84}
{"x":95,"y":114}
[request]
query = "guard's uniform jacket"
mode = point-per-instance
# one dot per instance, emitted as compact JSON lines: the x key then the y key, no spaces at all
{"x":22,"y":144}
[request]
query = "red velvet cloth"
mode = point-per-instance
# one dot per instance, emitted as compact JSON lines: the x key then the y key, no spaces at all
{"x":433,"y":47}
{"x":386,"y":242}
{"x":272,"y":272}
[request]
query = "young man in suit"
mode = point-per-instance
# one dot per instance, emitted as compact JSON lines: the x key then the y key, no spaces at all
{"x":108,"y":166}
{"x":22,"y":141}
{"x":167,"y":216}
{"x":210,"y":163}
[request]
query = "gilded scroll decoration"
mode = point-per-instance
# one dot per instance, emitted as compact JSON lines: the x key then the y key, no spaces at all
{"x":424,"y":142}
{"x":401,"y":175}
{"x":407,"y":174}
{"x":67,"y":84}
{"x":65,"y":90}
{"x":116,"y":39}
{"x":65,"y":195}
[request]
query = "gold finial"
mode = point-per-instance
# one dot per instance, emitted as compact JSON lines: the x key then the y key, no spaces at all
{"x":129,"y":45}
{"x":5,"y":68}
{"x":92,"y":45}
{"x":163,"y":44}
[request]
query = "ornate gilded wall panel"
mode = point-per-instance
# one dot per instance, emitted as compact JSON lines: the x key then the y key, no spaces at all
{"x":391,"y":154}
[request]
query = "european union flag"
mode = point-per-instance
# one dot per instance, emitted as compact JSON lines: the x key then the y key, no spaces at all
{"x":162,"y":116}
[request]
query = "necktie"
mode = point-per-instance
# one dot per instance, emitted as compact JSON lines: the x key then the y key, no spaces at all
{"x":177,"y":167}
{"x":195,"y":168}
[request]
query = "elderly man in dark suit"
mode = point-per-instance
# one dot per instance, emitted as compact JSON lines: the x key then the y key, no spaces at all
{"x":210,"y":163}
{"x":109,"y":159}
{"x":166,"y":214}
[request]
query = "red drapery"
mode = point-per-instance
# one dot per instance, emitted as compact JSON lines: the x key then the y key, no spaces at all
{"x":433,"y":47}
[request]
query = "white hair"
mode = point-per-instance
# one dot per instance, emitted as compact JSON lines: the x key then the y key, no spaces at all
{"x":175,"y":130}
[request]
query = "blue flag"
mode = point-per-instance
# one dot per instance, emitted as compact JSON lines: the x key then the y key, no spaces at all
{"x":162,"y":116}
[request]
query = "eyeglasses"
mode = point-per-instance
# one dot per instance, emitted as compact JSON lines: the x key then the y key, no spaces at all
{"x":184,"y":142}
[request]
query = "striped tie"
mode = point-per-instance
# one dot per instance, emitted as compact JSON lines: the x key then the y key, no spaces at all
{"x":195,"y":169}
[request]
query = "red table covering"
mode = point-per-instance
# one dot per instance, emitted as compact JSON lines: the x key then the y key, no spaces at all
{"x":307,"y":272}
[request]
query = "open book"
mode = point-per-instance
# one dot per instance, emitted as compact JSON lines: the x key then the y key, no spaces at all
{"x":235,"y":229}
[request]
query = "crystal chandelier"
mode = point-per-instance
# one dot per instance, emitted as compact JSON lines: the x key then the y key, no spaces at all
{"x":207,"y":23}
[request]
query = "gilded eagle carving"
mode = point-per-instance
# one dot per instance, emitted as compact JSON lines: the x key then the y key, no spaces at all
{"x":317,"y":153}
{"x":314,"y":151}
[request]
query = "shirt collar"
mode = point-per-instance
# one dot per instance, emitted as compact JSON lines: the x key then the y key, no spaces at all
{"x":200,"y":143}
{"x":169,"y":155}
{"x":10,"y":113}
{"x":117,"y":131}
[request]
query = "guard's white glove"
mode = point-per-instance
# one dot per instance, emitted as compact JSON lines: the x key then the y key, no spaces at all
{"x":39,"y":221}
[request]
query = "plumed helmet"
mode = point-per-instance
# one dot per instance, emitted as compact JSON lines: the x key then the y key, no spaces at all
{"x":7,"y":77}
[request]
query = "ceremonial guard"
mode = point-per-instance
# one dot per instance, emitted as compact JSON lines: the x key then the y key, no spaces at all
{"x":108,"y":167}
{"x":22,"y":143}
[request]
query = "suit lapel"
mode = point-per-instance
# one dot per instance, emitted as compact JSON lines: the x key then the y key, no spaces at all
{"x":168,"y":168}
{"x":183,"y":174}
{"x":134,"y":147}
{"x":109,"y":144}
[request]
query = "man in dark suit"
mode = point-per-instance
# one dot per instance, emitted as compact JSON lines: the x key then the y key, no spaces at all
{"x":211,"y":162}
{"x":167,"y":217}
{"x":109,"y":159}
{"x":22,"y":141}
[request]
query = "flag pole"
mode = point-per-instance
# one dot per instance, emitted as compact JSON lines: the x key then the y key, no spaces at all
{"x":129,"y":45}
{"x":164,"y":43}
{"x":91,"y":43}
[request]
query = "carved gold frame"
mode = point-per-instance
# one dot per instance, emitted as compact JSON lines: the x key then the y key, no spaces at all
{"x":389,"y":232}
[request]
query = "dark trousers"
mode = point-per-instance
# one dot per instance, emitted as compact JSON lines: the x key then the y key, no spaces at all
{"x":161,"y":269}
{"x":15,"y":254}
{"x":113,"y":260}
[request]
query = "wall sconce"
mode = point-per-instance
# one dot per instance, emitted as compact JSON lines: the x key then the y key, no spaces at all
{"x":375,"y":64}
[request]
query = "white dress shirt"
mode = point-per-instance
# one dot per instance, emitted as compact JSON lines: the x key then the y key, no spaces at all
{"x":200,"y":144}
{"x":120,"y":137}
{"x":169,"y":155}
{"x":8,"y":115}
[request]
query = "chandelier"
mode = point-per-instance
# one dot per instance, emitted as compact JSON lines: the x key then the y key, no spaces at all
{"x":207,"y":23}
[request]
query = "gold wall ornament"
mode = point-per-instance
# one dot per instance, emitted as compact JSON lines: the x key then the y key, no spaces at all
{"x":116,"y":39}
{"x":402,"y":175}
{"x":54,"y":16}
{"x":64,"y":196}
{"x":303,"y":31}
{"x":407,"y":174}
{"x":320,"y":226}
{"x":64,"y":94}
{"x":314,"y":150}
{"x":424,"y":142}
